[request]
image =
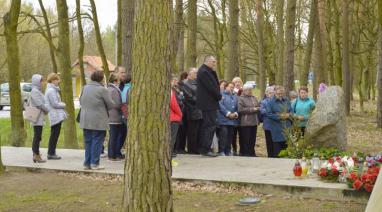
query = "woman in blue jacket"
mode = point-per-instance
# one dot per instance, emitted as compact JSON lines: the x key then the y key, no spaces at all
{"x":228,"y":118}
{"x":278,"y":110}
{"x":302,"y":107}
{"x":269,"y":92}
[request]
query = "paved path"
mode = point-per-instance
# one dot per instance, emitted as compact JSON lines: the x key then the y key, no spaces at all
{"x":265,"y":173}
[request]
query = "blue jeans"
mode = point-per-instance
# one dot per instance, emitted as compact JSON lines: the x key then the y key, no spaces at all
{"x":93,"y":146}
{"x":116,"y":140}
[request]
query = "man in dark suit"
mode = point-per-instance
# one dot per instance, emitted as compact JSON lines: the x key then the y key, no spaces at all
{"x":207,"y":100}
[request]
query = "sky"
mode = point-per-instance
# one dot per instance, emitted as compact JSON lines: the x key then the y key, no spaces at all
{"x":106,"y":9}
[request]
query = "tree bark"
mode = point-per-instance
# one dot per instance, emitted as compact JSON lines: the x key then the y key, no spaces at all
{"x":379,"y":74}
{"x":260,"y":47}
{"x":280,"y":42}
{"x":191,"y":34}
{"x":322,"y":34}
{"x":119,"y":33}
{"x":64,"y":67}
{"x":148,"y":167}
{"x":233,"y":65}
{"x":10,"y":19}
{"x":338,"y":52}
{"x":82,"y":42}
{"x":309,"y":43}
{"x":105,"y":65}
{"x":52,"y":48}
{"x":179,"y":36}
{"x":128,"y":8}
{"x":345,"y":55}
{"x":289,"y":50}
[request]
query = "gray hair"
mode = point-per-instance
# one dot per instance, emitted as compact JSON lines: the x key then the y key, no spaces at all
{"x":293,"y":94}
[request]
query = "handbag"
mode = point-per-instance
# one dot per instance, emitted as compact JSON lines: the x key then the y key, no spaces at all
{"x":31,"y":113}
{"x":78,"y":118}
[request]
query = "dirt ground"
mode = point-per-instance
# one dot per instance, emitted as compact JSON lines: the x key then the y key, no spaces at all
{"x":50,"y":191}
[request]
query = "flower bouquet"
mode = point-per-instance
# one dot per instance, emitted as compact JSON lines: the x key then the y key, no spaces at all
{"x":335,"y":168}
{"x":364,"y":182}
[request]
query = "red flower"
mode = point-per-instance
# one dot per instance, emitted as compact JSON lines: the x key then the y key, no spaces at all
{"x":373,"y":170}
{"x":323,"y":172}
{"x":357,"y":184}
{"x":331,"y":161}
{"x":334,"y":169}
{"x":371,"y":178}
{"x":353,"y":177}
{"x":364,"y":177}
{"x":368,"y":187}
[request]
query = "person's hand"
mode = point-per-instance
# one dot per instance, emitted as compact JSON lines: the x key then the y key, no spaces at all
{"x":301,"y":118}
{"x":231,"y":116}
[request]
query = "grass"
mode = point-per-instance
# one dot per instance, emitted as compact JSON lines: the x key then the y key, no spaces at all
{"x":50,"y":191}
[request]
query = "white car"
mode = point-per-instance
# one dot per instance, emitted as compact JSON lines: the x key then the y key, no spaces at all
{"x":5,"y":100}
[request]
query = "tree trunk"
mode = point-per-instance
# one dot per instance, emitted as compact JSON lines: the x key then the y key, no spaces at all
{"x":148,"y":167}
{"x":127,"y":33}
{"x":289,"y":42}
{"x":10,"y":31}
{"x":233,"y":65}
{"x":2,"y":168}
{"x":179,"y":36}
{"x":64,"y":67}
{"x":260,"y":47}
{"x":105,"y":65}
{"x":330,"y":52}
{"x":191,"y":34}
{"x":338,"y":53}
{"x":82,"y":42}
{"x":322,"y":30}
{"x":280,"y":42}
{"x":52,"y":48}
{"x":379,"y":74}
{"x":320,"y":56}
{"x":119,"y":33}
{"x":309,"y":43}
{"x":345,"y":55}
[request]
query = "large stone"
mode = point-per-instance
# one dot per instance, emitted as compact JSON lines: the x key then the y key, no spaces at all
{"x":327,"y":124}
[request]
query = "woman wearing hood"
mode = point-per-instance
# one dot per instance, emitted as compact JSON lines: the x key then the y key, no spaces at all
{"x":57,"y":113}
{"x":37,"y":100}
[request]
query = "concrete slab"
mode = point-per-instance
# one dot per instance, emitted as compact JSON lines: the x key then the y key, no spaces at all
{"x":268,"y":175}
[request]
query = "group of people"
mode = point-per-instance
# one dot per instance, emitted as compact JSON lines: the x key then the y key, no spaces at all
{"x":104,"y":106}
{"x":49,"y":103}
{"x":203,"y":108}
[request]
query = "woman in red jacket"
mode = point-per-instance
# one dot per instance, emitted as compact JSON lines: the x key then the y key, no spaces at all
{"x":175,"y":116}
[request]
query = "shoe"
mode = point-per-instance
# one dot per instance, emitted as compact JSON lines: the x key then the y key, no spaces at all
{"x":103,"y":155}
{"x":181,"y":152}
{"x":229,"y":154}
{"x":210,"y":154}
{"x":37,"y":159}
{"x":235,"y":154}
{"x":86,"y":167}
{"x":116,"y":159}
{"x":54,"y":157}
{"x":96,"y":167}
{"x":121,"y":157}
{"x":221,"y":154}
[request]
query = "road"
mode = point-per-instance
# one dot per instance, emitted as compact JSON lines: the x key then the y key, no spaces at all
{"x":6,"y":112}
